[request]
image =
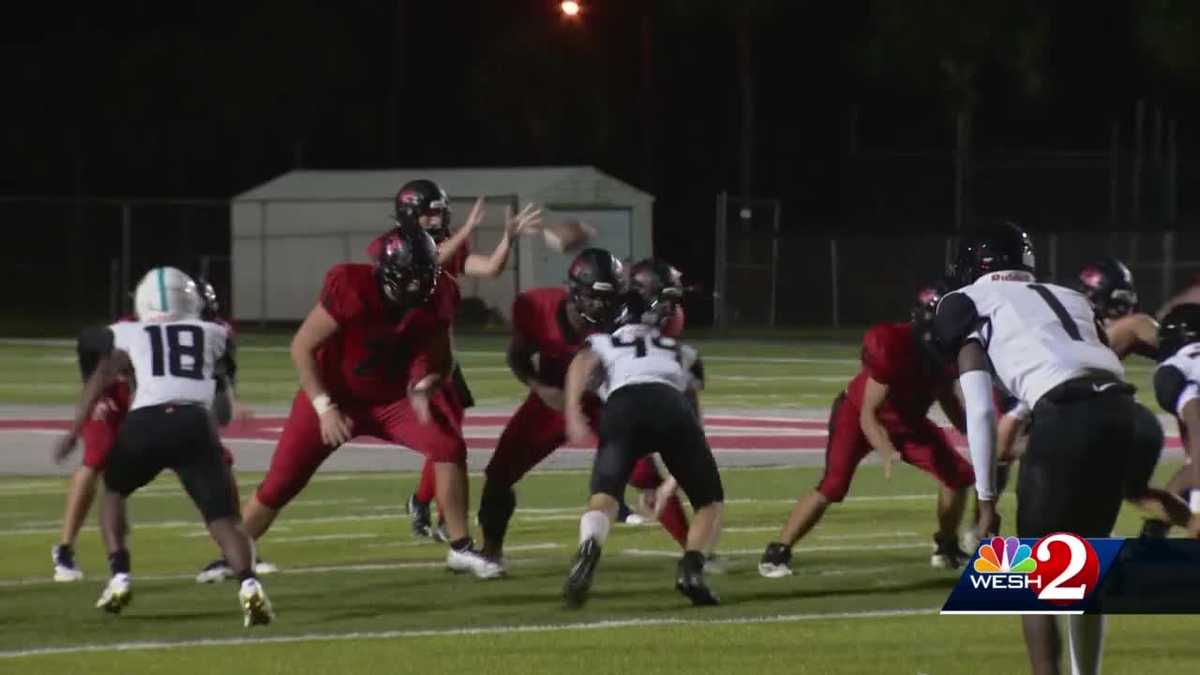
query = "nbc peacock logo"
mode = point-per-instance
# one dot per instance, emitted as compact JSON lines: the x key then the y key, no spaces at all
{"x":1003,"y":564}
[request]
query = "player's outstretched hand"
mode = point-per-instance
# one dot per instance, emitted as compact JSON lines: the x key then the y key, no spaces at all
{"x":528,"y":220}
{"x":336,"y":428}
{"x":475,"y":217}
{"x":64,"y":447}
{"x":578,"y":431}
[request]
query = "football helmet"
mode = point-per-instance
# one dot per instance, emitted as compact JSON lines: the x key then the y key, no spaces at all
{"x":595,"y":281}
{"x":655,"y":292}
{"x":1179,"y":328}
{"x":993,"y":248}
{"x":424,"y":198}
{"x":1108,"y":283}
{"x":208,"y":294}
{"x":167,"y":294}
{"x":407,"y":268}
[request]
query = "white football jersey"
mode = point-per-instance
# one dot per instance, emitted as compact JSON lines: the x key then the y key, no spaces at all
{"x":1187,"y":361}
{"x":1037,"y":336}
{"x":173,"y":361}
{"x":641,"y":354}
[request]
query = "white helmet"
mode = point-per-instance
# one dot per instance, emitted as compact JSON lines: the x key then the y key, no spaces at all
{"x":166,"y":293}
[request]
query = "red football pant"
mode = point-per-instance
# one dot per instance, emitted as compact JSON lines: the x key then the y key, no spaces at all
{"x":427,"y":488}
{"x":301,"y":451}
{"x":920,"y":442}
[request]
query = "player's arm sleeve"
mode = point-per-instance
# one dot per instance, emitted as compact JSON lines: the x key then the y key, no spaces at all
{"x":980,"y":409}
{"x":338,"y":298}
{"x":94,"y":343}
{"x":955,"y":323}
{"x":877,"y":355}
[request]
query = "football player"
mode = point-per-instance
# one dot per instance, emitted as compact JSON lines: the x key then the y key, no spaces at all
{"x":173,"y":355}
{"x":373,"y":358}
{"x":1045,"y":346}
{"x":649,"y":384}
{"x":1108,"y":284}
{"x":426,"y":203}
{"x":1177,"y":388}
{"x":886,"y":407}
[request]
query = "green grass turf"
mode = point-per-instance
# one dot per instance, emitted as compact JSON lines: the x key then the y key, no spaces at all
{"x":361,"y":573}
{"x":741,"y":372}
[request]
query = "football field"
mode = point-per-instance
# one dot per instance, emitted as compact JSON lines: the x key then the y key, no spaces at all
{"x":358,"y":594}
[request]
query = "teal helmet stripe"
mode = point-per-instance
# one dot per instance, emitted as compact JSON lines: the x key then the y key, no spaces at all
{"x":162,"y":289}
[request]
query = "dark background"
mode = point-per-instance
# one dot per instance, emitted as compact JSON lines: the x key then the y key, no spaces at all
{"x":845,"y":111}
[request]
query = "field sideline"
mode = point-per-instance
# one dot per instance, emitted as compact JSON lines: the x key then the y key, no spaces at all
{"x":359,"y":595}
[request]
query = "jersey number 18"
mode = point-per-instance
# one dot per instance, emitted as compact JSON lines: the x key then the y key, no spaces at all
{"x":175,"y":350}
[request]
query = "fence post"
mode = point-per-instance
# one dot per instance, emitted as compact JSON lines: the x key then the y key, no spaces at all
{"x":719,"y":253}
{"x":833,"y":274}
{"x":126,"y":248}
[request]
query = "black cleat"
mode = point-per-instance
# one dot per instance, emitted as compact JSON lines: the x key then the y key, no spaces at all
{"x":579,"y":579}
{"x":776,"y":561}
{"x":689,"y":580}
{"x":1152,"y":528}
{"x":419,"y":516}
{"x":946,"y":554}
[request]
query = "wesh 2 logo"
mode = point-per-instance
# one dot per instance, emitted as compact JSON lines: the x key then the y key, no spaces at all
{"x":1060,"y":568}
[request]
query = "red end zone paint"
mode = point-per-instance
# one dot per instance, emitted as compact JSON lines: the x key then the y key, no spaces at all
{"x":806,"y":435}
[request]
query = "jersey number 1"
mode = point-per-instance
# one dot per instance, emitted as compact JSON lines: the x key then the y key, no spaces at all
{"x":176,"y":350}
{"x":1061,"y":312}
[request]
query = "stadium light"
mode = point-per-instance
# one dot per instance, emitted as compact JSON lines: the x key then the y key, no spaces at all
{"x":570,"y":9}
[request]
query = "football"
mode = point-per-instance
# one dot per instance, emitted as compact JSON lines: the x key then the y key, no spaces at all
{"x":568,"y":236}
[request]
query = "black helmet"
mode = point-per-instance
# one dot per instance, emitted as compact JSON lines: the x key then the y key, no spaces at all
{"x":596,"y":280}
{"x":1109,"y":285}
{"x":208,"y":294}
{"x":926,"y":302}
{"x":407,"y":268}
{"x":1179,"y":328}
{"x":424,"y":197}
{"x":655,"y":291}
{"x":993,"y":248}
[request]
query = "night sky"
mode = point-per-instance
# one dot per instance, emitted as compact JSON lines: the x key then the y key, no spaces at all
{"x":207,"y":99}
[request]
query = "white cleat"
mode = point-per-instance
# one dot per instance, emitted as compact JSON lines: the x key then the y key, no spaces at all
{"x":264,"y":567}
{"x":217,"y":570}
{"x":470,"y":560}
{"x":715,"y":564}
{"x":774,"y":571}
{"x":256,"y":607}
{"x":117,"y":594}
{"x":64,"y":565}
{"x":636,"y":519}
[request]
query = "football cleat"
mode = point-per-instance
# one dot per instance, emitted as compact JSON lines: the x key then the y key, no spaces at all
{"x":470,"y":560}
{"x":440,"y":533}
{"x":263,"y":567}
{"x":946,"y":554}
{"x":419,"y":517}
{"x":689,"y":580}
{"x":776,"y":561}
{"x":579,"y":579}
{"x":715,"y":564}
{"x":117,"y":594}
{"x":256,"y":607}
{"x":64,"y":564}
{"x":217,"y":570}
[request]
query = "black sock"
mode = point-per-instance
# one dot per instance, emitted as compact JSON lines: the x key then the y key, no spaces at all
{"x":461,"y":544}
{"x":118,"y":562}
{"x":67,"y":549}
{"x":693,"y":560}
{"x":248,"y":574}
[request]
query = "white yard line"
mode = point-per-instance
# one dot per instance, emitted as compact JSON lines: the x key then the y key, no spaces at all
{"x":488,"y":630}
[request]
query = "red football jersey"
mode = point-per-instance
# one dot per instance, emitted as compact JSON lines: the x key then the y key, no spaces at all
{"x":674,"y":327}
{"x":539,"y":318}
{"x":891,"y":356}
{"x":377,"y":351}
{"x":456,"y":265}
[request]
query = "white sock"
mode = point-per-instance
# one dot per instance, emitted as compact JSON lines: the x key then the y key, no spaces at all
{"x":594,"y":525}
{"x":1085,"y":633}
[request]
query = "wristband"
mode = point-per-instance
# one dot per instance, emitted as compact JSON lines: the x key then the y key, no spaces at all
{"x":323,"y":404}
